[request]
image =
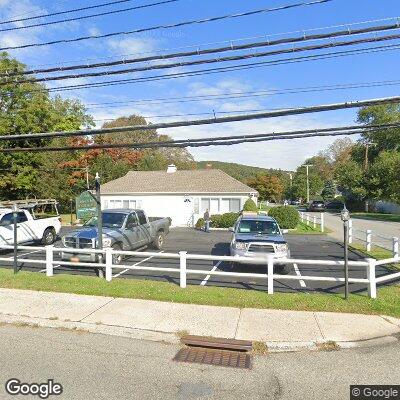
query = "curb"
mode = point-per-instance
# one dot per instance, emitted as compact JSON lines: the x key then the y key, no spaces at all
{"x":173,"y":338}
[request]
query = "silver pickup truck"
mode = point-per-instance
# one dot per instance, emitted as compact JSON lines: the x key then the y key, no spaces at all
{"x":256,"y":235}
{"x":123,"y":229}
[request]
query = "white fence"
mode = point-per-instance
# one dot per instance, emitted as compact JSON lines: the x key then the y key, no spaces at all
{"x":370,"y":238}
{"x":106,"y":263}
{"x":313,"y":219}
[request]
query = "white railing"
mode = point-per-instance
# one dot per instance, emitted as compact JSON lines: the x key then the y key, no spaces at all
{"x":313,"y":219}
{"x":106,"y":263}
{"x":369,"y":238}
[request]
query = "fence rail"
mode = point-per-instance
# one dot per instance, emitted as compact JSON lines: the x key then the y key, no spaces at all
{"x":369,"y":238}
{"x":106,"y":262}
{"x":314,"y":219}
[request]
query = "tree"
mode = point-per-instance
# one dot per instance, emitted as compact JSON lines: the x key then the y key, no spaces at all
{"x":269,"y":187}
{"x":28,"y":108}
{"x":329,"y":190}
{"x":350,"y":179}
{"x":299,"y":186}
{"x":383,"y":178}
{"x":388,"y":139}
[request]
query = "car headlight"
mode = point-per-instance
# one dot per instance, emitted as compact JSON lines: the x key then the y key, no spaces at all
{"x":281,"y":247}
{"x":107,"y":242}
{"x":239,"y":245}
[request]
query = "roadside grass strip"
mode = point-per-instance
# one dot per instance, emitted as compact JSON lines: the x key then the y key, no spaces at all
{"x":387,"y":303}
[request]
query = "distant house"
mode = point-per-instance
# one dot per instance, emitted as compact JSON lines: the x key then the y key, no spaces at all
{"x":181,"y":195}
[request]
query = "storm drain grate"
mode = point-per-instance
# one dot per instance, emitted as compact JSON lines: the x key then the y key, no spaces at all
{"x":223,"y":358}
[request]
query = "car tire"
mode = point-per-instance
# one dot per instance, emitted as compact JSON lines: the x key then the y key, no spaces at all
{"x":49,"y":236}
{"x":117,"y":258}
{"x":159,"y":240}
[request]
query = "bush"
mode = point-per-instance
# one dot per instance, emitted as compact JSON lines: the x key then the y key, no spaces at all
{"x":200,"y":223}
{"x":287,"y":217}
{"x":249,"y":205}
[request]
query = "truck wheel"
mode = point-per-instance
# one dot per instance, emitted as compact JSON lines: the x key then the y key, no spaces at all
{"x":159,"y":240}
{"x":117,"y":258}
{"x":49,"y":236}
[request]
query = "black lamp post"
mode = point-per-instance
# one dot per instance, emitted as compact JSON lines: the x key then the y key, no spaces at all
{"x":345,"y":216}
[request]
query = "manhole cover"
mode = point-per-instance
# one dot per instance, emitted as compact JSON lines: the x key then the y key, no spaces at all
{"x":223,"y":358}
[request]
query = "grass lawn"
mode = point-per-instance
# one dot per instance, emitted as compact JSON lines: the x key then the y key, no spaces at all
{"x":377,"y":216}
{"x":304,"y":229}
{"x":66,"y":219}
{"x":388,"y":301}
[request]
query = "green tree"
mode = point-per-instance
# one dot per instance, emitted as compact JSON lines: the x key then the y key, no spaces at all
{"x":350,"y":179}
{"x":383,"y":178}
{"x":249,"y":205}
{"x":329,"y":190}
{"x":28,"y":108}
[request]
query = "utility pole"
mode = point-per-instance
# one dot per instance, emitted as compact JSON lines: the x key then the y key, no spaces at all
{"x":366,"y":164}
{"x":87,"y":177}
{"x":308,"y":182}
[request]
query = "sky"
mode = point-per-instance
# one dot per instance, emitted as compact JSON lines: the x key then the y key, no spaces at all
{"x":285,"y":154}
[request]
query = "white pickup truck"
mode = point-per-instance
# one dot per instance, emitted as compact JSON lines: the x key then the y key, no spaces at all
{"x":31,"y":226}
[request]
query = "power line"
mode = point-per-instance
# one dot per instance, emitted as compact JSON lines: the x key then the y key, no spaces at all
{"x":304,"y":32}
{"x":218,"y":70}
{"x":210,"y":61}
{"x":217,"y":141}
{"x":212,"y":121}
{"x":239,"y":95}
{"x":62,"y":21}
{"x":65,"y":12}
{"x":253,"y":45}
{"x":168,"y":26}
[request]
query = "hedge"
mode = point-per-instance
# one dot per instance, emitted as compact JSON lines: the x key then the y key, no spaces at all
{"x":286,"y":216}
{"x":249,"y":205}
{"x":226,"y":220}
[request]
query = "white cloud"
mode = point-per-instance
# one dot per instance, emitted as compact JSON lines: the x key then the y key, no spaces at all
{"x":133,"y":45}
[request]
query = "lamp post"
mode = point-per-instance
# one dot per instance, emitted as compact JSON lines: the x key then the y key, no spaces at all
{"x":345,"y":216}
{"x":15,"y":220}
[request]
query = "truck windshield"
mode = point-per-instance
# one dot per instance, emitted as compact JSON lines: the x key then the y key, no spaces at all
{"x":110,"y":220}
{"x":261,"y":227}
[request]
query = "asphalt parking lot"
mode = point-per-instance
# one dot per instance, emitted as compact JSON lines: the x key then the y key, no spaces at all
{"x":315,"y":247}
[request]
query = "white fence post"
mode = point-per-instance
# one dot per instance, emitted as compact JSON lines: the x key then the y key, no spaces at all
{"x":182,"y":264}
{"x":109,"y":263}
{"x":371,"y":278}
{"x":301,"y":216}
{"x":270,"y":274}
{"x":314,"y":221}
{"x":49,"y":260}
{"x":395,"y":247}
{"x":308,"y":219}
{"x":368,"y":239}
{"x":350,"y":231}
{"x":322,"y":223}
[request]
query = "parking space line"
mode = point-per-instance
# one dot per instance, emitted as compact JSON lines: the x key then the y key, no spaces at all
{"x":296,"y":268}
{"x":203,"y":283}
{"x":134,"y":265}
{"x":26,"y":254}
{"x":54,"y":267}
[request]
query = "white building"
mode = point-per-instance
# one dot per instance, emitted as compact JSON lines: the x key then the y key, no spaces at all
{"x":183,"y":196}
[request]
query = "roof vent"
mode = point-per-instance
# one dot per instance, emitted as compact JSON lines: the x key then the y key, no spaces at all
{"x":171,"y":169}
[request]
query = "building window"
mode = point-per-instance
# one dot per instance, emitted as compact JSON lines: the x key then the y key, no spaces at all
{"x":230,"y":205}
{"x":205,"y":205}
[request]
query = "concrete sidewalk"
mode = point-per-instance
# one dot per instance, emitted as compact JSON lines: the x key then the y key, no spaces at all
{"x":153,"y":320}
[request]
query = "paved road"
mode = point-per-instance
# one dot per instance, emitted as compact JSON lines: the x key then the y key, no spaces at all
{"x":217,"y":243}
{"x":112,"y":368}
{"x":389,"y":229}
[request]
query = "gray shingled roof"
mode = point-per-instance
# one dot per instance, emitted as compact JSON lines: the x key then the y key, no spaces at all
{"x":192,"y":181}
